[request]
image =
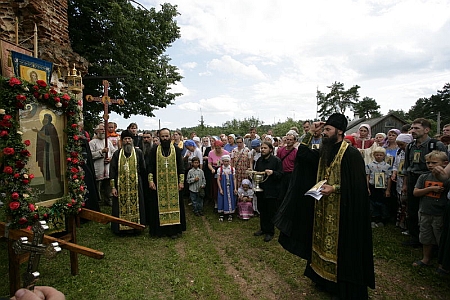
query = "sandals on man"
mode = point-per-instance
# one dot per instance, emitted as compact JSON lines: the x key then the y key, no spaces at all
{"x":421,"y":264}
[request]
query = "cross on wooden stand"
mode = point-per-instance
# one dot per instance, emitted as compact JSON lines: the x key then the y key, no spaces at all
{"x":107,"y":101}
{"x":36,"y":249}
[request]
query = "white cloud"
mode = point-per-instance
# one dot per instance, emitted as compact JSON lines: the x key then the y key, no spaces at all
{"x":229,"y":65}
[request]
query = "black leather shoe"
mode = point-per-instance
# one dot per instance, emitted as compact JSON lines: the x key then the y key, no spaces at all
{"x":268,"y":238}
{"x":258,"y":233}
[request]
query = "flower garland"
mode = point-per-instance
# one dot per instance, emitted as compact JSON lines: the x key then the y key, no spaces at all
{"x":15,"y":188}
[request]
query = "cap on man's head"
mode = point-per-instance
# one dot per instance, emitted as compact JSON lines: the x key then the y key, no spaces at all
{"x":232,"y":135}
{"x":255,"y":143}
{"x":190,"y":143}
{"x":338,"y":121}
{"x":125,"y":134}
{"x":196,"y":139}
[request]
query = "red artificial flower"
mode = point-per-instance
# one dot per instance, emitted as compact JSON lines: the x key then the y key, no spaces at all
{"x":74,"y":154}
{"x":14,"y":81}
{"x":6,"y":123}
{"x":36,"y":88}
{"x":27,"y":143}
{"x":71,"y":113}
{"x":7,"y":170}
{"x":57,"y":99}
{"x":13,"y":205}
{"x":31,"y":206}
{"x":29,"y":228}
{"x":7,"y":117}
{"x":69,"y":204}
{"x":45,"y":216}
{"x":83,"y":204}
{"x":82,"y":188}
{"x":23,"y":220}
{"x":8,"y":151}
{"x":66,"y":97}
{"x":17,"y":175}
{"x":25,"y":181}
{"x":74,"y":126}
{"x":41,"y":83}
{"x":73,"y":201}
{"x":76,"y":137}
{"x":25,"y":153}
{"x":15,"y":195}
{"x":3,"y":133}
{"x":82,"y":177}
{"x":20,"y":164}
{"x":21,"y":97}
{"x":36,"y":216}
{"x":75,"y":161}
{"x":53,"y":91}
{"x":79,"y":209}
{"x":46,"y":96}
{"x":69,"y":159}
{"x":80,"y":103}
{"x":75,"y":177}
{"x":31,"y":176}
{"x":74,"y":170}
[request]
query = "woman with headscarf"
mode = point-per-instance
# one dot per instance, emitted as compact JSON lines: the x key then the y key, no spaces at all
{"x":364,"y":142}
{"x":241,"y":160}
{"x":214,"y":162}
{"x":391,"y":145}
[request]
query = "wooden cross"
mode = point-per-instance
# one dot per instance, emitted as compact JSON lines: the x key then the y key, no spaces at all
{"x":107,"y":101}
{"x":36,"y":249}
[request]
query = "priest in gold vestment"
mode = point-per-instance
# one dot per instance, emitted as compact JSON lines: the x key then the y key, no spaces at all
{"x":166,"y":178}
{"x":333,"y":234}
{"x":126,"y":169}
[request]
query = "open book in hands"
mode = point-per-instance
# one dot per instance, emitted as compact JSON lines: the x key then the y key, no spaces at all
{"x":315,"y":190}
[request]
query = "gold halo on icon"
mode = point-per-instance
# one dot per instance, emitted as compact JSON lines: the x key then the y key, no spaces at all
{"x":44,"y":112}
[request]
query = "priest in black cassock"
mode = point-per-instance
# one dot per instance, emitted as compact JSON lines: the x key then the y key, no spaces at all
{"x":333,"y":234}
{"x":126,"y":169}
{"x":166,"y":180}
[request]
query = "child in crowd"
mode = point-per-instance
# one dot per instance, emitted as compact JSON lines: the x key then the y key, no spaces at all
{"x":245,"y":198}
{"x":196,"y":180}
{"x":378,"y":173}
{"x":380,"y":138}
{"x":397,"y":177}
{"x":226,"y":181}
{"x":433,"y":201}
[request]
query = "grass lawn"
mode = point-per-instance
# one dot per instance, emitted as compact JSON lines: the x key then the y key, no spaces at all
{"x":217,"y":261}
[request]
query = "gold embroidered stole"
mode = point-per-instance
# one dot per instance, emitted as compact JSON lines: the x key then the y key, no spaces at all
{"x":167,"y":180}
{"x":326,"y":221}
{"x":128,"y":189}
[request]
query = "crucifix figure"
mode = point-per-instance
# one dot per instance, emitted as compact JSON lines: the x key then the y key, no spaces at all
{"x":36,"y":249}
{"x":107,"y":101}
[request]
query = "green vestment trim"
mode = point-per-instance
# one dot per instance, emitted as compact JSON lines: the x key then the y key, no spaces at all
{"x":326,"y":221}
{"x":128,"y":189}
{"x":167,"y":180}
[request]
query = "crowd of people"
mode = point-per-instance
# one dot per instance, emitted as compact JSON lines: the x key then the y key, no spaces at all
{"x":364,"y":182}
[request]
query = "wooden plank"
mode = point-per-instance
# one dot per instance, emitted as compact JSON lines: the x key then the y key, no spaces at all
{"x":104,"y":218}
{"x":15,"y":234}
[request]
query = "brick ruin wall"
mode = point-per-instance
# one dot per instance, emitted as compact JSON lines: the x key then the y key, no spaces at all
{"x":51,"y":19}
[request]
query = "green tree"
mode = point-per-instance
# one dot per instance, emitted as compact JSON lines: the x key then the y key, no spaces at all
{"x":239,"y":127}
{"x":399,"y":113}
{"x":337,"y":100}
{"x":280,"y":129}
{"x":125,"y":45}
{"x":430,"y":107}
{"x":367,"y":107}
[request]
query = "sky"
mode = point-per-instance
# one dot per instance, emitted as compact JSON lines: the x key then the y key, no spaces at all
{"x":267,"y":58}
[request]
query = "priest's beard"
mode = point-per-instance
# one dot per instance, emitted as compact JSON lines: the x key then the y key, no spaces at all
{"x":327,"y":147}
{"x":101,"y":136}
{"x":127,"y":148}
{"x":165,"y":144}
{"x":146,"y":148}
{"x":266,"y":156}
